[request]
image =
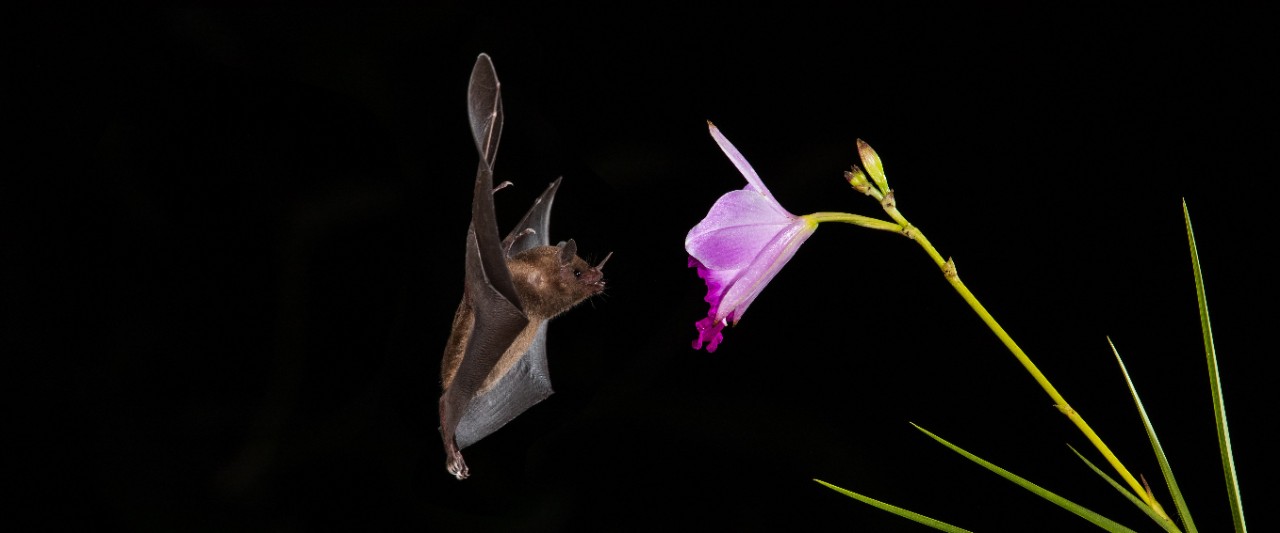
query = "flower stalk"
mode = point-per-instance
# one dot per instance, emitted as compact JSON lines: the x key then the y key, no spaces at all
{"x":857,"y":220}
{"x":885,"y":197}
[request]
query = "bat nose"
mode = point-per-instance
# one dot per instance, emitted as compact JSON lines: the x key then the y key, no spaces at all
{"x":603,"y":261}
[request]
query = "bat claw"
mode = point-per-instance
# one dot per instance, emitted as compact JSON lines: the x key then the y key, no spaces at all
{"x":512,"y":239}
{"x":453,"y":455}
{"x":458,"y":467}
{"x":454,"y":463}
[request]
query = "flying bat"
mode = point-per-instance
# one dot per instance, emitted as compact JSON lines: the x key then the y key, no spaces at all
{"x":495,"y":361}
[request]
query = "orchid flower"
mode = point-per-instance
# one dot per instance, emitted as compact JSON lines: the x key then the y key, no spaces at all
{"x":743,"y":242}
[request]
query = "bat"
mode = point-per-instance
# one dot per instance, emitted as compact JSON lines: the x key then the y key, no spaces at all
{"x":495,"y":361}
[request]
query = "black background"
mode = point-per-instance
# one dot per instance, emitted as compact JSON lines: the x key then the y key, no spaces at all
{"x":253,"y":247}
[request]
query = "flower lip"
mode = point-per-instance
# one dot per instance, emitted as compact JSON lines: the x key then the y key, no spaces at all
{"x":743,"y":242}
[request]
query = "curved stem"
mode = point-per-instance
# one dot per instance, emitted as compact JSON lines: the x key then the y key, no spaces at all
{"x":857,"y":220}
{"x":949,"y":271}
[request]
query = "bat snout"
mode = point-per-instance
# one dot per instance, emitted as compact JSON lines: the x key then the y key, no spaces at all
{"x":594,"y":280}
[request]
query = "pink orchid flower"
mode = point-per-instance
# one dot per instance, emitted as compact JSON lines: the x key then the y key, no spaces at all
{"x":740,"y":246}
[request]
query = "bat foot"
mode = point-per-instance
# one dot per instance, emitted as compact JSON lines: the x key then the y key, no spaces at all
{"x":453,"y":455}
{"x":453,"y":459}
{"x":456,"y":466}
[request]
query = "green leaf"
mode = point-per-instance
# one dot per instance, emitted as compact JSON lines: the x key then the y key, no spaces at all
{"x":1215,"y":386}
{"x":1168,"y":524}
{"x":1181,"y":504}
{"x":1095,"y":518}
{"x":917,"y":517}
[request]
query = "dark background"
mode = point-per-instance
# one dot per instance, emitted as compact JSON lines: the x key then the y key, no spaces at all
{"x":253,"y":246}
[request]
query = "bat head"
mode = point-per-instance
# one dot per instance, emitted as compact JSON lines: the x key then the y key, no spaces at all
{"x":589,"y":279}
{"x":553,"y":279}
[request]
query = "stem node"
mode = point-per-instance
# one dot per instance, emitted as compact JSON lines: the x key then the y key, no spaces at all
{"x":888,"y":203}
{"x":949,"y":270}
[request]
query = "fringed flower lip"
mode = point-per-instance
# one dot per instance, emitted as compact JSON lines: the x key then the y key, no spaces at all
{"x":739,"y":247}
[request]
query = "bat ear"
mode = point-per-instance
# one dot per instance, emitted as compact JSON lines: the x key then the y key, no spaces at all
{"x":568,"y":250}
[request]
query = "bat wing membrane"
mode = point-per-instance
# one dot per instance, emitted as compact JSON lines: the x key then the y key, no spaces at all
{"x":499,"y":316}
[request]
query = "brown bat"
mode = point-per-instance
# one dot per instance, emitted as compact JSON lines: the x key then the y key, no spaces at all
{"x":495,"y":362}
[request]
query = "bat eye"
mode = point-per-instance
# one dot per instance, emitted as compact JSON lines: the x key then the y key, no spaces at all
{"x":577,"y":273}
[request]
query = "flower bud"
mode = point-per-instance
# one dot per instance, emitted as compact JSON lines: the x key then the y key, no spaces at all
{"x":858,"y":179}
{"x":872,"y":163}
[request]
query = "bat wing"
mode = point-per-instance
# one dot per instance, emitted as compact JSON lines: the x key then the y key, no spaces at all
{"x":528,"y":381}
{"x":524,"y":385}
{"x":534,"y":229}
{"x":468,"y":412}
{"x":484,"y":108}
{"x":499,"y":316}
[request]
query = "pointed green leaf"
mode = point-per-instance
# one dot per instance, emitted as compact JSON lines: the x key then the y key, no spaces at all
{"x":1167,"y":524}
{"x":917,"y":517}
{"x":1215,"y":386}
{"x":1094,"y":518}
{"x":1178,"y":502}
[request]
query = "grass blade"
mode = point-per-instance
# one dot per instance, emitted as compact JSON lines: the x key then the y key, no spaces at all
{"x":1215,"y":386}
{"x":917,"y":517}
{"x":1079,"y":510}
{"x":1178,"y":502}
{"x":1166,"y":523}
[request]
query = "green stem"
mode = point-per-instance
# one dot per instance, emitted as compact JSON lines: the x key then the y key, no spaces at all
{"x":857,"y":220}
{"x":949,"y":271}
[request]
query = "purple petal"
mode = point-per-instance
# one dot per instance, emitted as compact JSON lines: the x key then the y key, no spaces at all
{"x":744,"y":207}
{"x":709,"y":334}
{"x":731,"y":291}
{"x":743,"y":242}
{"x":752,"y":280}
{"x":718,"y":282}
{"x":709,"y":327}
{"x":739,"y":225}
{"x":753,"y":179}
